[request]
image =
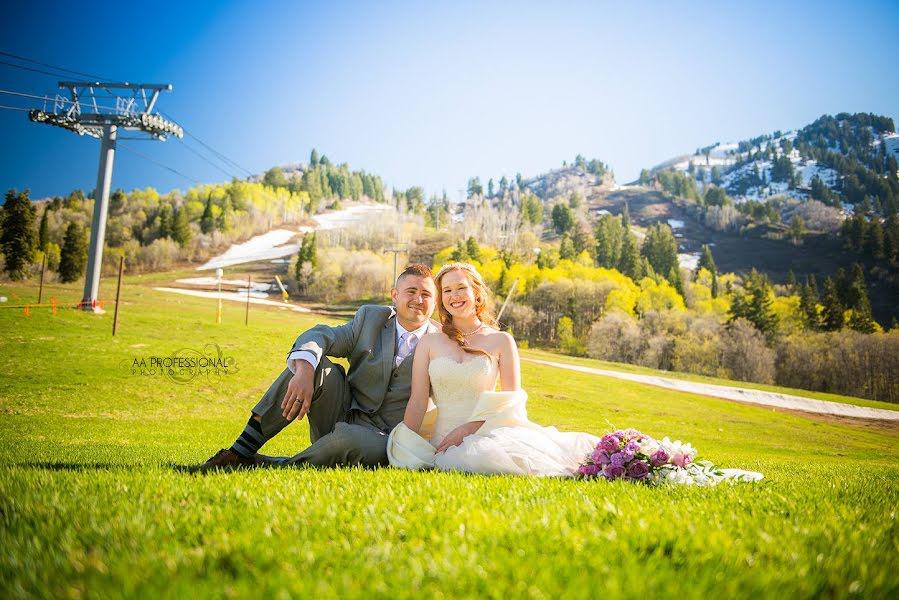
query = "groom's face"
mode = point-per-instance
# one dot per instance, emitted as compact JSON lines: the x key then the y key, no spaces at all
{"x":414,"y":298}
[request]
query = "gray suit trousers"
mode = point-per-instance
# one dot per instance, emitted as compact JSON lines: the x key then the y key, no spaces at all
{"x":339,"y":436}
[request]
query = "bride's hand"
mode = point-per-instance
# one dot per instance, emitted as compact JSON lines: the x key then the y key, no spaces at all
{"x":455,"y":437}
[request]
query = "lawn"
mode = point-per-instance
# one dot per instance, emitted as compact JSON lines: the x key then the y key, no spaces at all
{"x":91,"y":506}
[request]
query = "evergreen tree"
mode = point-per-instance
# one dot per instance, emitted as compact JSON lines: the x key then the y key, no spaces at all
{"x":474,"y":187}
{"x":874,"y":241}
{"x":630,"y":263}
{"x":307,"y":260}
{"x":625,"y":218}
{"x":43,"y":235}
{"x":181,"y":232}
{"x":676,"y":280}
{"x":755,"y":305}
{"x":706,"y":261}
{"x":660,"y":248}
{"x":563,"y":218}
{"x":715,"y":284}
{"x":566,"y":248}
{"x":574,"y":201}
{"x":460,"y":253}
{"x":791,"y":280}
{"x":808,"y":304}
{"x":714,"y":196}
{"x":473,"y":248}
{"x":166,"y":221}
{"x":223,"y":221}
{"x":891,"y":238}
{"x":18,"y":238}
{"x":861,"y":318}
{"x":832,"y":316}
{"x":608,"y":235}
{"x":503,"y":186}
{"x":582,"y":238}
{"x":207,"y":221}
{"x":490,"y":188}
{"x":313,"y":158}
{"x":73,"y":256}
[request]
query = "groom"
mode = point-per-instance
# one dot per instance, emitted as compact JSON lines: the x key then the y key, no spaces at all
{"x":350,"y":413}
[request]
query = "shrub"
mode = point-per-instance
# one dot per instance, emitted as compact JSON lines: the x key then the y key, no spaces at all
{"x":744,"y":354}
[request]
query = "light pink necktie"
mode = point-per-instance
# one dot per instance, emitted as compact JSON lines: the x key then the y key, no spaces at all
{"x":407,"y":344}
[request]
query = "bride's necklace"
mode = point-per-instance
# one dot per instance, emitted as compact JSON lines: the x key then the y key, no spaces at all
{"x":473,"y":331}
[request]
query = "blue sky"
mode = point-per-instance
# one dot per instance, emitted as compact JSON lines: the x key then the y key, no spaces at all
{"x":431,"y":94}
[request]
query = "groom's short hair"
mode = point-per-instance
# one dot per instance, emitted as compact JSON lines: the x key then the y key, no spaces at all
{"x":417,"y":269}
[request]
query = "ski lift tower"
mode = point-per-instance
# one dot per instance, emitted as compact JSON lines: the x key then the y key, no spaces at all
{"x":84,"y":115}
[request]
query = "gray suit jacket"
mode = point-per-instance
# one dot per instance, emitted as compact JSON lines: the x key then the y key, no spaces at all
{"x":369,"y":343}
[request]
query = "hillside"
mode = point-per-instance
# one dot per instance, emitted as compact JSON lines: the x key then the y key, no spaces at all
{"x":741,"y":198}
{"x":839,"y":160}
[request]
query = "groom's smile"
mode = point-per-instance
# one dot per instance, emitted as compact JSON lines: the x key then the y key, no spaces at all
{"x":414,"y":298}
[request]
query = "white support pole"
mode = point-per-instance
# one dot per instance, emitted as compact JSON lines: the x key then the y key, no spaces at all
{"x":98,"y":224}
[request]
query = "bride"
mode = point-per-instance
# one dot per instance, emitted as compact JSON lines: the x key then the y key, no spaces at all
{"x":477,"y":429}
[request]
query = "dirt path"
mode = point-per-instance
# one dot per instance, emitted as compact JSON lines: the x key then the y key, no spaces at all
{"x":763,"y":398}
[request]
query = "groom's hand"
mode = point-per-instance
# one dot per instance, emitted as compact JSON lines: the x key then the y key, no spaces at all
{"x":299,"y":392}
{"x":455,"y":437}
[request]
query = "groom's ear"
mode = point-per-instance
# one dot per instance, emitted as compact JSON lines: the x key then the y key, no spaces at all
{"x":393,"y":294}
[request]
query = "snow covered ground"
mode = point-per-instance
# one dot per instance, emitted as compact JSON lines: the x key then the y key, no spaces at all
{"x":688,"y":261}
{"x":233,"y":297}
{"x":274,"y":244}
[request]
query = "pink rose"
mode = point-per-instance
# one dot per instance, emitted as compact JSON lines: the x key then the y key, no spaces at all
{"x":609,"y":443}
{"x":600,"y":457}
{"x":682,"y":460}
{"x":659,"y":458}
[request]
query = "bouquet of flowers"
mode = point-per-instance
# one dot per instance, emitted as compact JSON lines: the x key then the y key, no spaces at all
{"x":630,"y":455}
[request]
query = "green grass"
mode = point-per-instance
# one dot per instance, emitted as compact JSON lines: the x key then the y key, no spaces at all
{"x":91,"y":507}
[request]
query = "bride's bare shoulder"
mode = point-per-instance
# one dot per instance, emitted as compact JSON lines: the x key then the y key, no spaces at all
{"x":500,"y":339}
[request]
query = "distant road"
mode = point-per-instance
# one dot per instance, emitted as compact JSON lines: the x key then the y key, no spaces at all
{"x":787,"y":401}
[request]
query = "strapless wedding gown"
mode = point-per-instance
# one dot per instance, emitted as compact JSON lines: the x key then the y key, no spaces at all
{"x":508,"y":443}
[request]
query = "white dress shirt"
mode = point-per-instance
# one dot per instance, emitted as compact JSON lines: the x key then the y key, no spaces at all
{"x":309,"y":357}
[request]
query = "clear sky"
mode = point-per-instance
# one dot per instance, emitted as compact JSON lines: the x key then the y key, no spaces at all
{"x":427,"y":93}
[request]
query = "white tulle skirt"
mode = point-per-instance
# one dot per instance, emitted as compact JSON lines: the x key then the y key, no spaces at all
{"x":538,"y":451}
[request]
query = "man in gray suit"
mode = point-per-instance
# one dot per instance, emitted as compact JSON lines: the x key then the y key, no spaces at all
{"x":350,"y":413}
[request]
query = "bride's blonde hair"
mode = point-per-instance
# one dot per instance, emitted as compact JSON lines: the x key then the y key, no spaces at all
{"x":481,"y":302}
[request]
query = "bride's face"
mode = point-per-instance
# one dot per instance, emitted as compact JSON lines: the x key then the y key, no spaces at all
{"x":457,"y":295}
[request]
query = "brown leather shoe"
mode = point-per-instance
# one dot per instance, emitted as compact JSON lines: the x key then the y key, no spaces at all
{"x":224,"y":460}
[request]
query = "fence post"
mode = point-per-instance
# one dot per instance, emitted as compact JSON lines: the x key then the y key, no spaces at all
{"x":118,"y":293}
{"x":40,"y":294}
{"x":246,"y":320}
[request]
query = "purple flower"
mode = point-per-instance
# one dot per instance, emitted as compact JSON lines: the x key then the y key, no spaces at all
{"x":627,"y":453}
{"x":617,"y":459}
{"x":613,"y":471}
{"x":610,"y":443}
{"x":600,"y":457}
{"x":632,"y":446}
{"x":659,"y":458}
{"x":637,"y":470}
{"x":592,"y":470}
{"x":582,"y":470}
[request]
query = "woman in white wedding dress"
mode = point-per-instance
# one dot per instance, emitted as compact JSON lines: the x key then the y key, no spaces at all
{"x":477,"y":429}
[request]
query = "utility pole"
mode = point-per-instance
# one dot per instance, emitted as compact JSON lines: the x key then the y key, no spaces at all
{"x":133,"y":110}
